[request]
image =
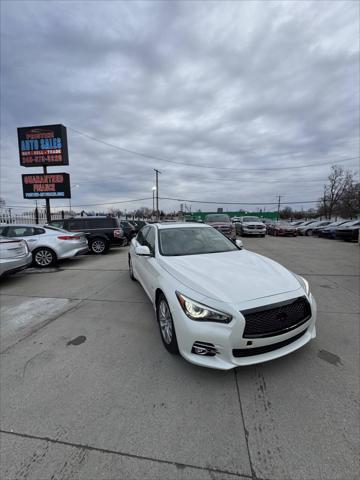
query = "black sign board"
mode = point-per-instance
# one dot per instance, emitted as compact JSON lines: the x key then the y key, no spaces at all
{"x":46,"y":185}
{"x":43,"y":146}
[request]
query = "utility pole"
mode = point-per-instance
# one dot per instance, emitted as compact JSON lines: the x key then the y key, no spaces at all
{"x":47,"y":201}
{"x":278,"y":210}
{"x":157,"y":193}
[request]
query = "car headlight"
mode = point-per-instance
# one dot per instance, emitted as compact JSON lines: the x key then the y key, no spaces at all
{"x":304,"y":283}
{"x":202,"y":313}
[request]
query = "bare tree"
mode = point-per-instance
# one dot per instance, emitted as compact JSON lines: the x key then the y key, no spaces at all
{"x":340,"y":181}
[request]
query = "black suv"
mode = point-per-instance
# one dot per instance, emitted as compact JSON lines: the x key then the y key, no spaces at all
{"x":101,"y":232}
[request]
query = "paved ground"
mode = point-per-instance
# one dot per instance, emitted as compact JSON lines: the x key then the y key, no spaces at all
{"x":88,"y":391}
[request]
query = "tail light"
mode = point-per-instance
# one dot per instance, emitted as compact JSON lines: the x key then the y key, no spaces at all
{"x":118,"y":233}
{"x":69,"y":237}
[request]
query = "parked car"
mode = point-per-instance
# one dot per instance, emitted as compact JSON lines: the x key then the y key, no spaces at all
{"x":128,"y":229}
{"x":251,"y":226}
{"x":137,"y":224}
{"x":217,"y":304}
{"x":348,"y":232}
{"x":313,"y":227}
{"x":222,"y":223}
{"x":48,"y":244}
{"x":282,"y":229}
{"x":14,"y":255}
{"x":304,"y":225}
{"x":102,"y":232}
{"x":330,"y":230}
{"x":297,"y":223}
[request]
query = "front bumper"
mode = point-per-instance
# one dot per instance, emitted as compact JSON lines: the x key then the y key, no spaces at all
{"x":253,"y":231}
{"x":351,"y":235}
{"x":229,"y":337}
{"x":287,"y":234}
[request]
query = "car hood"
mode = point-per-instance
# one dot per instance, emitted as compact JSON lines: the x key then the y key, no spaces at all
{"x":219,"y":224}
{"x":232,"y":277}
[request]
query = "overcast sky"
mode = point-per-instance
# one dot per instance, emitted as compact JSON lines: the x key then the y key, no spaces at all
{"x":241,"y":87}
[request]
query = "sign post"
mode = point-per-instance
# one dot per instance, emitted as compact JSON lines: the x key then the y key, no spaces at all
{"x":44,"y":146}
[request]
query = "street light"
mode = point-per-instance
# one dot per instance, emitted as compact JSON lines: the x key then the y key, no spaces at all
{"x":153,"y":192}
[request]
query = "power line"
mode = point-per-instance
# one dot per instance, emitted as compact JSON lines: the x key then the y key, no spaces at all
{"x":235,"y":203}
{"x":154,"y":157}
{"x":85,"y":205}
{"x":171,"y":198}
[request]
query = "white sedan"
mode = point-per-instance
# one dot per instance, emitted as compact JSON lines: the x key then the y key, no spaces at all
{"x":217,"y":304}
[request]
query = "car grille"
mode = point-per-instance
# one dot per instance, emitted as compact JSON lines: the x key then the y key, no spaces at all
{"x":225,"y":230}
{"x":276,"y":319}
{"x":254,"y":227}
{"x":247,"y":352}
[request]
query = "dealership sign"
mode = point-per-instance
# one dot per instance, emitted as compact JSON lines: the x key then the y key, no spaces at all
{"x":43,"y":146}
{"x":46,"y":185}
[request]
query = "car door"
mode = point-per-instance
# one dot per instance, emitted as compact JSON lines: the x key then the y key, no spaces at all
{"x":149,"y":264}
{"x":137,"y":260}
{"x":26,"y":233}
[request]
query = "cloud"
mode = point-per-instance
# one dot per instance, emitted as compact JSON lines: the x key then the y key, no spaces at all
{"x":242,"y":85}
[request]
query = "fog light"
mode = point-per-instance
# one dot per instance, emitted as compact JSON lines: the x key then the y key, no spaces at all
{"x":200,"y":351}
{"x":205,"y":349}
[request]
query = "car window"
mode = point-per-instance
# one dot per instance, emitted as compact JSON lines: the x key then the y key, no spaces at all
{"x":76,"y":224}
{"x":150,"y":239}
{"x":58,"y":224}
{"x":2,"y":229}
{"x":140,"y":237}
{"x":108,"y":222}
{"x":20,"y":231}
{"x":193,"y":241}
{"x":39,"y":231}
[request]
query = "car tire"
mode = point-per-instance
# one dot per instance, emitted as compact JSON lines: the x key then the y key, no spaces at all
{"x":131,"y":271}
{"x":309,"y":233}
{"x":166,"y":325}
{"x":99,"y":246}
{"x":44,"y":257}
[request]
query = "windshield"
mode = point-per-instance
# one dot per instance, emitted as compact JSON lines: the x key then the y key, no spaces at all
{"x":193,"y":241}
{"x":217,"y":218}
{"x":251,"y":219}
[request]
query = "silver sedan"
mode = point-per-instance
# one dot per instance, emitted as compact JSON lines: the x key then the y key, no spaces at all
{"x":48,"y":244}
{"x":14,"y":255}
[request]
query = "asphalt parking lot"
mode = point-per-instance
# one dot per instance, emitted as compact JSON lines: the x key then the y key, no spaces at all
{"x":89,"y":392}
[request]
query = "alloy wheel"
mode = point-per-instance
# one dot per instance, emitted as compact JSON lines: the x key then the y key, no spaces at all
{"x":165,"y":320}
{"x":44,"y":258}
{"x":98,"y":246}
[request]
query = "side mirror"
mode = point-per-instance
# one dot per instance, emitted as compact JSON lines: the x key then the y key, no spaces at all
{"x":142,"y":250}
{"x":239,"y":243}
